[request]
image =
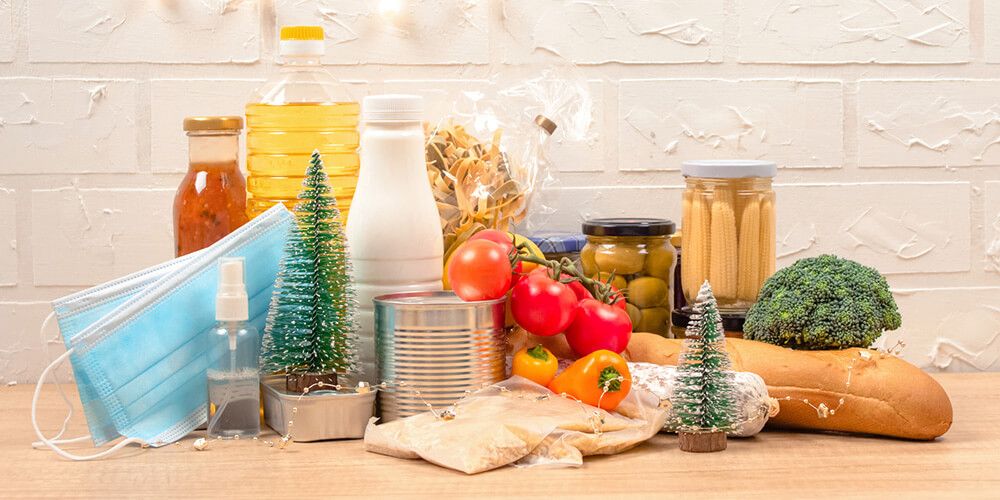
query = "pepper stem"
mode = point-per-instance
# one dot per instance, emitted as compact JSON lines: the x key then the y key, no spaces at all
{"x":538,"y":352}
{"x":610,"y":378}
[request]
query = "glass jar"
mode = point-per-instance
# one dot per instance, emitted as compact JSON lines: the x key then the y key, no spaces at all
{"x":557,"y":246}
{"x":637,"y":257}
{"x":728,"y":227}
{"x":732,"y":323}
{"x":211,"y":199}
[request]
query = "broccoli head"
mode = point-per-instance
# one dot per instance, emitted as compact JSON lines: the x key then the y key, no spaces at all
{"x":823,"y":302}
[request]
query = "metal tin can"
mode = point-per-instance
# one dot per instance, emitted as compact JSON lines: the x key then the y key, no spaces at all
{"x":433,"y":348}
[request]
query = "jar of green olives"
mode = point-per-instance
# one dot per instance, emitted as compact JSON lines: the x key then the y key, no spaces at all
{"x":636,"y":256}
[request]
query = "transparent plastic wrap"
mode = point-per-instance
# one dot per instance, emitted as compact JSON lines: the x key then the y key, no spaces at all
{"x":487,"y":156}
{"x":754,"y":403}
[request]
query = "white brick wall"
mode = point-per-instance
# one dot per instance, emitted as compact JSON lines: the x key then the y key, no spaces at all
{"x":664,"y":122}
{"x":821,"y":31}
{"x":885,"y":118}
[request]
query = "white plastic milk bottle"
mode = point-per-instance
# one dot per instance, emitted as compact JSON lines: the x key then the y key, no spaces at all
{"x":393,"y":230}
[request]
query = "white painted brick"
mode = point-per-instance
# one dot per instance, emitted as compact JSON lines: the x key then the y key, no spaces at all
{"x":23,"y":354}
{"x":630,"y":31}
{"x":664,"y":122}
{"x":172,"y":100}
{"x":428,"y":32}
{"x":67,"y":126}
{"x":8,"y":41}
{"x":951,"y":330}
{"x":574,"y":205}
{"x":892,"y":227}
{"x":573,"y":148}
{"x":833,"y":31}
{"x":991,"y":227}
{"x":88,"y":236}
{"x":929,"y":123}
{"x":8,"y":237}
{"x":123,"y":31}
{"x":992,"y":30}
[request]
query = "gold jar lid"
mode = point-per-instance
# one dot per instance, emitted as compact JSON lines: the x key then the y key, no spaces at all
{"x":195,"y":123}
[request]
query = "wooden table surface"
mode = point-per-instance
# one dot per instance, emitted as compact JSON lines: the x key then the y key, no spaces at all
{"x":965,"y":463}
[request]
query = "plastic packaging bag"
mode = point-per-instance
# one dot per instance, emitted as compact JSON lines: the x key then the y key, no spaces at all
{"x":754,"y":403}
{"x":518,"y":422}
{"x":487,"y":156}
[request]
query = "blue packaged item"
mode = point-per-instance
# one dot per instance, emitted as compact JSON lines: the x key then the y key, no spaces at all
{"x":558,"y":245}
{"x":138,"y":345}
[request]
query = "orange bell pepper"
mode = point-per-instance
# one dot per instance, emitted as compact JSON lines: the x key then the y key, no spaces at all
{"x":537,"y":364}
{"x":600,"y":378}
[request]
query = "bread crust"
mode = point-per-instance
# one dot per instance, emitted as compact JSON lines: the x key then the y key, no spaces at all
{"x":851,"y":390}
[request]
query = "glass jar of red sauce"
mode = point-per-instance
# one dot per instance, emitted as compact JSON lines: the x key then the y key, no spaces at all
{"x":211,"y":200}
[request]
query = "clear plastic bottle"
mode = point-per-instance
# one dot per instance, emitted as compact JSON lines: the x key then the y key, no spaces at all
{"x":395,"y":231}
{"x":234,"y":374}
{"x":300,"y":109}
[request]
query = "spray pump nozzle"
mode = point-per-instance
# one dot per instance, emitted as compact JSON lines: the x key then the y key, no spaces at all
{"x":231,"y":303}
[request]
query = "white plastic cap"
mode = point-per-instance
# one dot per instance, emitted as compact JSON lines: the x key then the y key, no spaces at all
{"x":392,"y":108}
{"x":231,"y":299}
{"x":301,"y":48}
{"x":729,"y":169}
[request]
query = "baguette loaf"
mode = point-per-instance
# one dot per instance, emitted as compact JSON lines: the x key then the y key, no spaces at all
{"x":850,"y":390}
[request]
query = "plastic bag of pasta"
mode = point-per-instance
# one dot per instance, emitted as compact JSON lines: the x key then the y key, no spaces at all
{"x":521,"y":423}
{"x":488,"y":154}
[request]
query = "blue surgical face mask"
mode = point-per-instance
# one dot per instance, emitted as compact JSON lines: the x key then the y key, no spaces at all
{"x":138,"y":345}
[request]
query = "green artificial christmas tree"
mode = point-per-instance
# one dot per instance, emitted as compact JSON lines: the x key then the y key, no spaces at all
{"x":704,"y":400}
{"x":311,"y":324}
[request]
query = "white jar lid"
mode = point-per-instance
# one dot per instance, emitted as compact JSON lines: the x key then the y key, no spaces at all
{"x":729,"y":169}
{"x":392,"y":107}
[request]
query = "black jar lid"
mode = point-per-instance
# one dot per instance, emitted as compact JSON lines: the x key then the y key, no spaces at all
{"x":629,"y":226}
{"x":731,"y":322}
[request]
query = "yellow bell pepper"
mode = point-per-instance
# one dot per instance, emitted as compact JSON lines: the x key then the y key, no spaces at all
{"x":537,"y":364}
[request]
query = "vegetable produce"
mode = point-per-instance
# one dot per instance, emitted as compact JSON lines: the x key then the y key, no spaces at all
{"x":659,"y":261}
{"x":501,"y":238}
{"x":579,"y":290}
{"x":536,"y":364}
{"x":767,"y":238}
{"x":723,"y":271}
{"x":480,"y":270}
{"x":598,"y":326}
{"x":653,"y":320}
{"x":823,"y":302}
{"x":647,"y":291}
{"x":612,"y":279}
{"x":542,"y":305}
{"x":622,"y":259}
{"x":504,"y":239}
{"x":599,"y":379}
{"x":697,"y":219}
{"x":748,"y":281}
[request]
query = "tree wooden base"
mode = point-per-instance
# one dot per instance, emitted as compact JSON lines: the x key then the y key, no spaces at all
{"x":299,"y":382}
{"x":702,"y":442}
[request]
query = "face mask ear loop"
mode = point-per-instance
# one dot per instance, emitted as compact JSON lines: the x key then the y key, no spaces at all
{"x":51,"y":443}
{"x":62,"y":392}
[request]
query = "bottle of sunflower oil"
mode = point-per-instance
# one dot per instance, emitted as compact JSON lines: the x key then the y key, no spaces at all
{"x":301,"y":109}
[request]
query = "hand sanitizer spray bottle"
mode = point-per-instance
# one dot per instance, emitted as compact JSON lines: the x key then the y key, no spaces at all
{"x":234,"y":374}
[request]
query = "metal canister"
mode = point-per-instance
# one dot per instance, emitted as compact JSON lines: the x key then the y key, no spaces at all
{"x":433,"y":348}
